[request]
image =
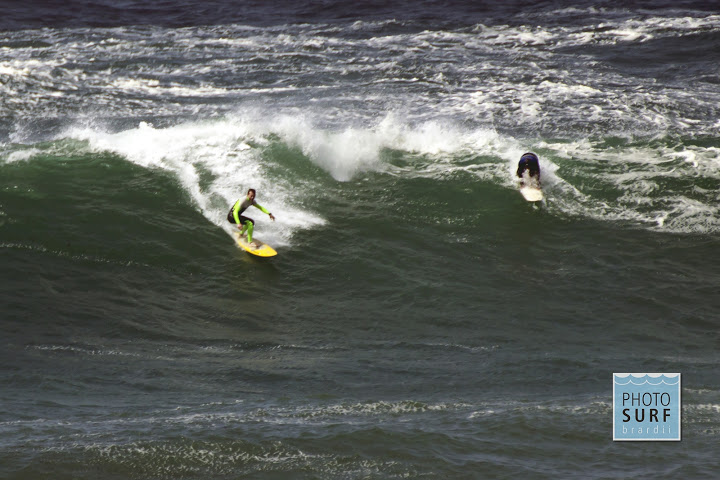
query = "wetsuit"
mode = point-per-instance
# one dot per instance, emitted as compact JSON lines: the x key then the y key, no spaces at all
{"x":234,"y":216}
{"x":529,"y":161}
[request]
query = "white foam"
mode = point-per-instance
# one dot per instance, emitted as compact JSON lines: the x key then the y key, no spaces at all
{"x":611,"y":30}
{"x":64,"y":69}
{"x":629,"y":34}
{"x":555,"y":90}
{"x":82,"y":350}
{"x":154,"y":87}
{"x":218,"y":149}
{"x":21,"y":155}
{"x":347,"y":152}
{"x":647,"y":186}
{"x":20,"y":68}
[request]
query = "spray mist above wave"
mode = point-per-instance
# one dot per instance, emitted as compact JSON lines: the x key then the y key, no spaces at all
{"x":347,"y":151}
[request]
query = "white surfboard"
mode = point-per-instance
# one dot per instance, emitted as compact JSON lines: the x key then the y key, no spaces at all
{"x":531,"y":193}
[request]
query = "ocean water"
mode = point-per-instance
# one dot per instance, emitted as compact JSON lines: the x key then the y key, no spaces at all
{"x":421,"y":320}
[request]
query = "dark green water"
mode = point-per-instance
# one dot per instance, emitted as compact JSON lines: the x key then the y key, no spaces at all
{"x":427,"y":320}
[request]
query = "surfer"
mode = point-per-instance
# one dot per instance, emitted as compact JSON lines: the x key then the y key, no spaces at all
{"x":530,"y":163}
{"x":246,"y":224}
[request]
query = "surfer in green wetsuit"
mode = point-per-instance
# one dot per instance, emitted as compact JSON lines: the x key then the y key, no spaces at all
{"x":246,"y":224}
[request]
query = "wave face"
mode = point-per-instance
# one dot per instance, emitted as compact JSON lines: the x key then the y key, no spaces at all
{"x":421,"y":319}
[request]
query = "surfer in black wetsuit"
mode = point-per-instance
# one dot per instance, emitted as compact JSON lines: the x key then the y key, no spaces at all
{"x":530,"y":163}
{"x":246,"y":224}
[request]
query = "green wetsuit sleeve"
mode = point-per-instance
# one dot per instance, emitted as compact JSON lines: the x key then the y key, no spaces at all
{"x":236,"y":209}
{"x":262,"y":209}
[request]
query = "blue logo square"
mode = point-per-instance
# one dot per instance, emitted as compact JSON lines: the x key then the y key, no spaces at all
{"x":646,"y":406}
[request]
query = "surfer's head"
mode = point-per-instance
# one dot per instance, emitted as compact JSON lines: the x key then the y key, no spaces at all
{"x":251,"y":194}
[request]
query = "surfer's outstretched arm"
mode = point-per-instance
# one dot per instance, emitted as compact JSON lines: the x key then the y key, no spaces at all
{"x":264,"y":210}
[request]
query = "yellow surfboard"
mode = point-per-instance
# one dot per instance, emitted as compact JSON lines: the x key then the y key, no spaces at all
{"x":261,"y":250}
